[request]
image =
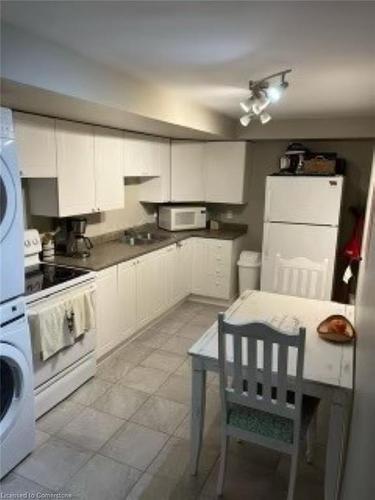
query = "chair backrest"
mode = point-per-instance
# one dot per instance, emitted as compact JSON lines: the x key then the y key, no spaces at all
{"x":301,"y":277}
{"x":249,"y":374}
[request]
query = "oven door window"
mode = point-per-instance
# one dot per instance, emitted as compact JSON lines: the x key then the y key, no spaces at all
{"x":8,"y":200}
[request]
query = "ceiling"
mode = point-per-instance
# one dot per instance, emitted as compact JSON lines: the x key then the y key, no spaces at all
{"x":208,"y":50}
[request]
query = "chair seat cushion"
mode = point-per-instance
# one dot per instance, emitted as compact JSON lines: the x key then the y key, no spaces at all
{"x":268,"y":424}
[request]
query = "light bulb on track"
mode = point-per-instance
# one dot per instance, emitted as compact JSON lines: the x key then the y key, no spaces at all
{"x":246,"y":119}
{"x":262,"y":94}
{"x":260,"y":105}
{"x":246,"y":105}
{"x":265,"y":118}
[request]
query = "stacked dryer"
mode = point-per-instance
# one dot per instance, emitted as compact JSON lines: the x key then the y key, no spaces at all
{"x":17,"y":421}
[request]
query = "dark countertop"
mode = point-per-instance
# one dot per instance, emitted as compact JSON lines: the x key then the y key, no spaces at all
{"x":114,"y":252}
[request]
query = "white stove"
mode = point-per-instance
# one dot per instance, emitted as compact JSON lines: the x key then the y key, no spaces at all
{"x":48,"y":285}
{"x":43,"y":279}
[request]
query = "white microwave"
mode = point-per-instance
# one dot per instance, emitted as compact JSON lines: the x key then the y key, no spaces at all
{"x":182,"y":218}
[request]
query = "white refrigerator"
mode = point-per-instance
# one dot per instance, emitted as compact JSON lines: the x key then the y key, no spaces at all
{"x":301,"y":220}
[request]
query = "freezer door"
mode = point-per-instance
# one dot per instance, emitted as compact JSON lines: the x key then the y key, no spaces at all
{"x":303,"y":200}
{"x":298,"y":260}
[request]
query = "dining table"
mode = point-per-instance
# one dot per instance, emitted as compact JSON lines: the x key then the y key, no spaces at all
{"x":327,"y":375}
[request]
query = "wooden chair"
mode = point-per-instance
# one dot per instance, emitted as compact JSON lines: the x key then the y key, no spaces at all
{"x":264,"y":406}
{"x":301,"y":277}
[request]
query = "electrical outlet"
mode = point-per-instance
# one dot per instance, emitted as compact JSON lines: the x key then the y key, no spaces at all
{"x":229,"y":214}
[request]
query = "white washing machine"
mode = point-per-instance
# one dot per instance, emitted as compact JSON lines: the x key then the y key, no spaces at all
{"x":17,"y":421}
{"x":17,"y":417}
{"x":12,"y":278}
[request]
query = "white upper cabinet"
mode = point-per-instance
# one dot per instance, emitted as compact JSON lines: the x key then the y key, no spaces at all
{"x":141,"y":155}
{"x":89,"y":173}
{"x":158,"y":189}
{"x":75,"y":168}
{"x":225,"y":172}
{"x":187,"y":179}
{"x":215,"y":172}
{"x":36,"y":145}
{"x":108,"y":167}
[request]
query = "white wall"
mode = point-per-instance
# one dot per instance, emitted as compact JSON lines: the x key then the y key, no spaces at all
{"x":50,"y":79}
{"x":351,"y":127}
{"x":359,"y":479}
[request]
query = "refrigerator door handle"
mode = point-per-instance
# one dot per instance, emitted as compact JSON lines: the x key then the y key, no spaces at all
{"x":267,"y":205}
{"x":266,"y":228}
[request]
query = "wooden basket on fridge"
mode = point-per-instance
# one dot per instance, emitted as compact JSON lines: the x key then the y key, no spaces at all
{"x":320,"y":165}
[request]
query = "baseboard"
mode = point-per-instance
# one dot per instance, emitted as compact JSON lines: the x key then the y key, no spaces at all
{"x":211,"y":300}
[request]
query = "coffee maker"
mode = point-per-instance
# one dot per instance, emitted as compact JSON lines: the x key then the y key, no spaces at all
{"x":78,"y":245}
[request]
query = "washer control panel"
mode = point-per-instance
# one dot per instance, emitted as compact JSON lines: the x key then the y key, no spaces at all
{"x":6,"y":124}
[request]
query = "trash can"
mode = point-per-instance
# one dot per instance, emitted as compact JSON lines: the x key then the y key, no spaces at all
{"x":249,"y":270}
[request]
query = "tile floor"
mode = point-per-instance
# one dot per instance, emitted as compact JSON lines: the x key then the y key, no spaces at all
{"x":125,"y":433}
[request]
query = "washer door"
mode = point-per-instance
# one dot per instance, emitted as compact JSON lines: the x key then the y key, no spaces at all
{"x":14,"y":368}
{"x":8,"y":200}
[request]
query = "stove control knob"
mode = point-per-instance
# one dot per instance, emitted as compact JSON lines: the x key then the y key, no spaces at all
{"x":35,"y":241}
{"x":27,"y":243}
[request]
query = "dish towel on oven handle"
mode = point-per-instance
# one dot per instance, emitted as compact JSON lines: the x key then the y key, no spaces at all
{"x":58,"y":325}
{"x":49,"y":331}
{"x":83,"y":317}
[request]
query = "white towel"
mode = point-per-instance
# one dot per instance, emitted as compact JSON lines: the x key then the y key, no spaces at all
{"x":83,"y":314}
{"x":49,"y":330}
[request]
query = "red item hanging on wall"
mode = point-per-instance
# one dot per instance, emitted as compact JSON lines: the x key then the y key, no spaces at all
{"x":352,"y":249}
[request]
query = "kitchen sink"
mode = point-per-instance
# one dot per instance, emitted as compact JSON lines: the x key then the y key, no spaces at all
{"x":135,"y":239}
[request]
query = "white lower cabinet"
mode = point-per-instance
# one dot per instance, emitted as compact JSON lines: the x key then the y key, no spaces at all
{"x":127,"y":298}
{"x":150,"y":296}
{"x":183,"y":269}
{"x":107,"y":311}
{"x":169,"y":272}
{"x":132,"y":294}
{"x":199,"y":266}
{"x":214,"y":267}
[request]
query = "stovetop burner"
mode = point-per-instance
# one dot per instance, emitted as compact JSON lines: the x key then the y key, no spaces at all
{"x":42,"y":276}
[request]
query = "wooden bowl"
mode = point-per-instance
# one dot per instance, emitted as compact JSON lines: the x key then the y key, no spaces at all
{"x":336,"y":328}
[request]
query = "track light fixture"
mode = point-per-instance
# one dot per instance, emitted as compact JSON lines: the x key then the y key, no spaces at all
{"x":262,"y":94}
